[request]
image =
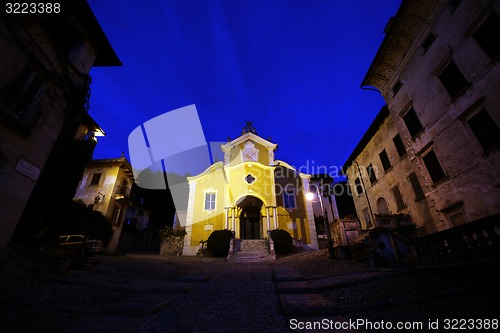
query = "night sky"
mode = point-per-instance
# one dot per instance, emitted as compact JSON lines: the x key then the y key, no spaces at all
{"x":294,"y":67}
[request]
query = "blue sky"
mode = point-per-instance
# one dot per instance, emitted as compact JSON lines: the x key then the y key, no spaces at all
{"x":294,"y":67}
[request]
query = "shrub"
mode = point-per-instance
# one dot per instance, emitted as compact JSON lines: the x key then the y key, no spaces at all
{"x":218,"y":242}
{"x":75,"y":218}
{"x":98,"y":227}
{"x":283,"y":242}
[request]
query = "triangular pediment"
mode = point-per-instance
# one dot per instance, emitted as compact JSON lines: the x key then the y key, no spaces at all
{"x":246,"y":137}
{"x":249,"y":147}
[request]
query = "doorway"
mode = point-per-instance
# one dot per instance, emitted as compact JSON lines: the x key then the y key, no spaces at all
{"x":250,"y":218}
{"x":250,"y":223}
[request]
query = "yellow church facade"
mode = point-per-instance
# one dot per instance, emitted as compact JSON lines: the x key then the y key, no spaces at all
{"x":249,"y":193}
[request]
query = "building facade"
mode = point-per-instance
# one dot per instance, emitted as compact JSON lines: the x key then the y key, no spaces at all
{"x":106,"y":187}
{"x":44,"y":86}
{"x":249,"y":193}
{"x":382,"y":179}
{"x":438,"y":71}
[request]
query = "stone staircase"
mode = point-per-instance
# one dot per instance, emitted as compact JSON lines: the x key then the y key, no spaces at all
{"x":252,"y":250}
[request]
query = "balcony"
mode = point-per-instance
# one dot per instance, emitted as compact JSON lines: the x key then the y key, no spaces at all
{"x":122,"y":193}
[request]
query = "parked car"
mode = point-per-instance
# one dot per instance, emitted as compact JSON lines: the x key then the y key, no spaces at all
{"x":79,"y":244}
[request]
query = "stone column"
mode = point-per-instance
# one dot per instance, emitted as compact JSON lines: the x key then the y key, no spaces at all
{"x":226,"y":209}
{"x":233,"y":209}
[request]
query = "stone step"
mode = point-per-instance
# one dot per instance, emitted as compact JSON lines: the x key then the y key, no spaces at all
{"x":251,"y":257}
{"x":254,"y":245}
{"x":252,"y":250}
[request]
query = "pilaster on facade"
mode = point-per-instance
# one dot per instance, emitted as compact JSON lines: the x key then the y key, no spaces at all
{"x":188,"y":249}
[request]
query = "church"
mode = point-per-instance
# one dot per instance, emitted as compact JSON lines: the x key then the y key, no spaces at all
{"x":250,"y":193}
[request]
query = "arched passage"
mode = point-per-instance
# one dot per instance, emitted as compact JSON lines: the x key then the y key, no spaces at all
{"x":382,"y":207}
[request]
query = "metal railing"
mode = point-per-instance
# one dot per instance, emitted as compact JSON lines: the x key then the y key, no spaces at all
{"x":297,"y":243}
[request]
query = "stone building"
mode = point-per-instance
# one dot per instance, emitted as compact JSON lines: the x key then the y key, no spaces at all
{"x":249,"y":193}
{"x":438,"y":71}
{"x":383,"y":181}
{"x":44,"y":86}
{"x":106,"y":187}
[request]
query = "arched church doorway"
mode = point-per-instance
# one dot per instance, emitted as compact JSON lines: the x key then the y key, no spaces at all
{"x":250,"y":218}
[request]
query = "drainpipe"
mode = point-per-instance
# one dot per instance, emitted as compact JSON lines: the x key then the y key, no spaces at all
{"x":366,"y":194}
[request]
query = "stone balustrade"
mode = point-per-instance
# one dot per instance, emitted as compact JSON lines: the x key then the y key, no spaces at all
{"x":475,"y":240}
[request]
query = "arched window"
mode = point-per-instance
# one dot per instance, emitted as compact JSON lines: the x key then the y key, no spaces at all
{"x":382,"y":207}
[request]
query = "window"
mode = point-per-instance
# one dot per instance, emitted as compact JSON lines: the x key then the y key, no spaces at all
{"x":400,"y":147}
{"x":412,"y":123}
{"x":453,"y":80}
{"x":400,"y":204}
{"x":397,"y":86}
{"x":386,"y":163}
{"x":428,"y":41}
{"x":433,"y":166}
{"x":18,"y":98}
{"x":95,"y":179}
{"x":115,"y":217}
{"x":123,"y":189}
{"x":485,"y":129}
{"x":417,"y":189}
{"x":422,"y":231}
{"x":371,"y":174}
{"x":249,"y":179}
{"x":75,"y":239}
{"x":457,"y":218}
{"x":359,"y":187}
{"x":487,"y":36}
{"x":289,"y":199}
{"x":210,"y":201}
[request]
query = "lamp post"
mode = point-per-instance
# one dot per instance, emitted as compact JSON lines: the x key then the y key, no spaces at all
{"x":310,"y":197}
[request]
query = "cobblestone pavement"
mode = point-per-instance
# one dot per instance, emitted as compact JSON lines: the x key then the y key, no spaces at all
{"x":415,"y":298}
{"x":148,"y":293}
{"x":241,"y":298}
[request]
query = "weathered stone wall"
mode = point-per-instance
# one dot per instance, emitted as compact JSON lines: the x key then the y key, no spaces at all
{"x":172,"y":246}
{"x":470,"y":189}
{"x":397,"y":175}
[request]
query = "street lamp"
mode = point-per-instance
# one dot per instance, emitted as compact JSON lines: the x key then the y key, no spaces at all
{"x":310,"y":197}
